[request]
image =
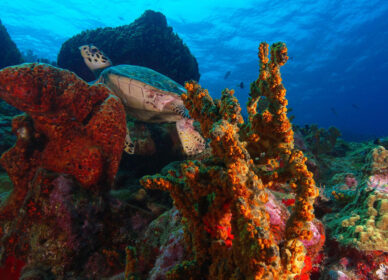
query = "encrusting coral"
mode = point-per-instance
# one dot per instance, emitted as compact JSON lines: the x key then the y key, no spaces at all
{"x":225,"y":199}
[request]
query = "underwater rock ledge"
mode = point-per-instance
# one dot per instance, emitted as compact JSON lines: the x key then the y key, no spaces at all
{"x":148,"y":41}
{"x":10,"y":54}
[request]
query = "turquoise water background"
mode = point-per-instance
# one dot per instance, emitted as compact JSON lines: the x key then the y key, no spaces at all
{"x":338,"y":69}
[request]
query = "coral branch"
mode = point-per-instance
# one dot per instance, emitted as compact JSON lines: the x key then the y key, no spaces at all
{"x":225,"y":199}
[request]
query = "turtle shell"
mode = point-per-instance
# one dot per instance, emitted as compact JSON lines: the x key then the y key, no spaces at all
{"x":147,"y":76}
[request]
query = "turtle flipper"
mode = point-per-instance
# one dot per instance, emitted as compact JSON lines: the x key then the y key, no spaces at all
{"x":192,"y":142}
{"x":129,"y":146}
{"x":178,"y":108}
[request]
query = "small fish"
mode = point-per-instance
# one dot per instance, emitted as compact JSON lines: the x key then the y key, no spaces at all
{"x":334,"y":111}
{"x":227,"y":74}
{"x":241,"y":85}
{"x":121,"y":18}
{"x":355,"y":106}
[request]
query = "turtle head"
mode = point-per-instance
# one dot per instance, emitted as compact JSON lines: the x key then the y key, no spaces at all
{"x":94,"y":58}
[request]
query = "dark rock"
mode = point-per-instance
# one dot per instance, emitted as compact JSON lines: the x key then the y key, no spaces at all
{"x":148,"y":41}
{"x":9,"y":54}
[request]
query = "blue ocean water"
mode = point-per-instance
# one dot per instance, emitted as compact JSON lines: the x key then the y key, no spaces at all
{"x":338,"y":69}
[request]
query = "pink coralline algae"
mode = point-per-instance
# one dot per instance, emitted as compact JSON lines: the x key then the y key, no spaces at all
{"x":350,"y":181}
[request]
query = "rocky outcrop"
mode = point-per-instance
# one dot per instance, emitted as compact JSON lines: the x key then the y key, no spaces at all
{"x":9,"y":55}
{"x":148,"y":41}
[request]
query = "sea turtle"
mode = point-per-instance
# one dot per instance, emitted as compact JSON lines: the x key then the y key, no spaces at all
{"x":147,"y":96}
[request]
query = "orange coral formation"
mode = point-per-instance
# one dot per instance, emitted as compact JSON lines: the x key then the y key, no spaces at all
{"x":223,"y":198}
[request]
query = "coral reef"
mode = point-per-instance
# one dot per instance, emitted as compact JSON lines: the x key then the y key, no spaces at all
{"x":377,"y":161}
{"x":9,"y":55}
{"x":318,"y":143}
{"x":319,"y":140}
{"x":352,"y":203}
{"x":363,"y":223}
{"x":56,"y":223}
{"x":243,"y":209}
{"x":230,"y":215}
{"x":163,"y":246}
{"x":148,"y":41}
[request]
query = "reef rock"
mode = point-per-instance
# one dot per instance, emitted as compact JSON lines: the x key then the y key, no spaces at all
{"x":9,"y":55}
{"x":358,"y":234}
{"x":148,"y":41}
{"x":363,"y":223}
{"x":377,"y":161}
{"x":162,"y":246}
